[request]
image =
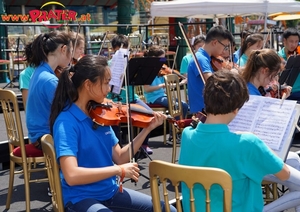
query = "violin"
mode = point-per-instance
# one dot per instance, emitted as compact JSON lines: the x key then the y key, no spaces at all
{"x":165,"y":70}
{"x":198,"y":117}
{"x":110,"y":115}
{"x":276,"y":92}
{"x":219,"y":63}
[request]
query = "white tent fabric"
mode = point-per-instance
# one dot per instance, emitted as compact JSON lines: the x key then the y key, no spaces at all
{"x":221,"y":8}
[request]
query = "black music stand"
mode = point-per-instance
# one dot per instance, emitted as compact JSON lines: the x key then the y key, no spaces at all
{"x":142,"y":71}
{"x":291,"y":71}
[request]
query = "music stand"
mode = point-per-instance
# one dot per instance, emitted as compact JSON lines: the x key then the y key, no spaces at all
{"x":142,"y":71}
{"x":291,"y":71}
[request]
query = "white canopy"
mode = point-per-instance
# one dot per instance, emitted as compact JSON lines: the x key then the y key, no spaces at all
{"x":221,"y":8}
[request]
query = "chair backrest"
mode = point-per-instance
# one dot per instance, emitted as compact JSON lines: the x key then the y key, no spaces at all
{"x":160,"y":172}
{"x":12,"y":118}
{"x":53,"y":172}
{"x":174,"y":95}
{"x":139,"y":90}
{"x":161,"y":39}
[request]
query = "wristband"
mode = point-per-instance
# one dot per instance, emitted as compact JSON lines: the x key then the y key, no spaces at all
{"x":121,"y":179}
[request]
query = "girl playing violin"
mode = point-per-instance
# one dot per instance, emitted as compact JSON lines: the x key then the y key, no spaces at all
{"x":90,"y":159}
{"x":47,"y":51}
{"x":155,"y":93}
{"x":251,"y":43}
{"x":262,"y":67}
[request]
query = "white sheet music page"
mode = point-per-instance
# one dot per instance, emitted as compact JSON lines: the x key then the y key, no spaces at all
{"x":267,"y":118}
{"x":118,"y":67}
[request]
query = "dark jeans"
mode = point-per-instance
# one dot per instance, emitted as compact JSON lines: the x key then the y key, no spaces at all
{"x":128,"y":201}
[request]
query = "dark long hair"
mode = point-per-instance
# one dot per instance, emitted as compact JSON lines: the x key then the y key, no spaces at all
{"x":37,"y":51}
{"x":91,"y":67}
{"x":249,"y":41}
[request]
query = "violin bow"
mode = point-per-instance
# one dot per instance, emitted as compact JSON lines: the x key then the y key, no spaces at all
{"x":192,"y":51}
{"x":103,"y":41}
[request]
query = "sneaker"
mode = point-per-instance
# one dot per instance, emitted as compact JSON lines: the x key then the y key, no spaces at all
{"x":148,"y":149}
{"x":170,"y":140}
{"x":49,"y":192}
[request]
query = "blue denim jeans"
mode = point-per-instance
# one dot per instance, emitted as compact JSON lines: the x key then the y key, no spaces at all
{"x":292,"y":198}
{"x":128,"y":201}
{"x":164,"y":102}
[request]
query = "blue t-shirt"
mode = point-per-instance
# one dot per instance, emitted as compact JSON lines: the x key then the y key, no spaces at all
{"x":244,"y":156}
{"x":41,"y":92}
{"x":236,"y":55}
{"x":74,"y":136}
{"x":253,"y":90}
{"x":243,"y":60}
{"x":154,"y":95}
{"x":195,"y":83}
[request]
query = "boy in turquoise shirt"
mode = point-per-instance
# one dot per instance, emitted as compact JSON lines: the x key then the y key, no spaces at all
{"x":243,"y":155}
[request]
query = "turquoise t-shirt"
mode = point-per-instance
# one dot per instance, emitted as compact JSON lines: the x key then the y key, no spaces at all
{"x":243,"y":60}
{"x":154,"y":95}
{"x":25,"y":77}
{"x":244,"y":156}
{"x":185,"y":63}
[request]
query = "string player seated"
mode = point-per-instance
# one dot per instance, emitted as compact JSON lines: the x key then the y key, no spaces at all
{"x":121,"y":41}
{"x":89,"y":158}
{"x":155,"y":92}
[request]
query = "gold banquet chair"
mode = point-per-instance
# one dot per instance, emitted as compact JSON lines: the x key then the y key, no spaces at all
{"x":53,"y":173}
{"x":25,"y":155}
{"x":175,"y":109}
{"x":160,"y":172}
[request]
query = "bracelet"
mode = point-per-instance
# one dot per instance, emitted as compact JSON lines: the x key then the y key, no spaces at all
{"x":121,"y":179}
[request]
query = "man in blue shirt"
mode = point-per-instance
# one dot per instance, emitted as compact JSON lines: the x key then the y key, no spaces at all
{"x":218,"y":39}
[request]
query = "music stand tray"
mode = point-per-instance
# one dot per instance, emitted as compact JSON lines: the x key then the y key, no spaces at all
{"x":291,"y":71}
{"x":143,"y":70}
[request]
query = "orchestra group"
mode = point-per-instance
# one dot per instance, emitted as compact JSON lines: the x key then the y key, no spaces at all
{"x":61,"y":82}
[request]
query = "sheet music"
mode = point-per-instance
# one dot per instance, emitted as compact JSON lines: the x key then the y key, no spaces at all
{"x":268,"y":119}
{"x":118,"y":67}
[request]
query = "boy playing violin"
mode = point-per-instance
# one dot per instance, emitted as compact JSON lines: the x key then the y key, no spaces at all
{"x":291,"y":38}
{"x":218,"y":39}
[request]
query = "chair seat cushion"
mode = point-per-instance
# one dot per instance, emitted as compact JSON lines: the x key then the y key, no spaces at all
{"x":31,"y":151}
{"x":4,"y":61}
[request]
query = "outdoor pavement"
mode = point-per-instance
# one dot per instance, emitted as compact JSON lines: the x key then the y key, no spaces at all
{"x":38,"y":193}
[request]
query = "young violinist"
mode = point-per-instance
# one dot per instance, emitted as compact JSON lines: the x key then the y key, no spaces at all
{"x":121,"y":41}
{"x":251,"y":43}
{"x":218,"y":39}
{"x":291,"y":38}
{"x":263,"y":67}
{"x":46,"y":53}
{"x":155,"y":93}
{"x":237,"y":53}
{"x":90,"y":158}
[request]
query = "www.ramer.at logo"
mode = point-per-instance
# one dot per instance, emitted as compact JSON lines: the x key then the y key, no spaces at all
{"x":59,"y":15}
